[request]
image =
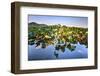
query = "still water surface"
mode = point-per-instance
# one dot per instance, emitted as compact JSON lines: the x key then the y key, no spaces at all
{"x":48,"y":53}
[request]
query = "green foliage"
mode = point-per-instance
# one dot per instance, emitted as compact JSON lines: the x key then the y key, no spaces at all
{"x":59,"y":35}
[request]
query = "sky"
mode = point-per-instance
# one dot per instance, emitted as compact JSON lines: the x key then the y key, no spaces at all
{"x":64,"y":20}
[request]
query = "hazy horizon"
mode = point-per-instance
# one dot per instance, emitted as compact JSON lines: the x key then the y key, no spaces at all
{"x":63,"y":20}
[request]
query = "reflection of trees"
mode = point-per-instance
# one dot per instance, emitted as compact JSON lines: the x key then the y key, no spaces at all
{"x":60,"y":36}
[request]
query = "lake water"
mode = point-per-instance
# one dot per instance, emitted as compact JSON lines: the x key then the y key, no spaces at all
{"x":48,"y":53}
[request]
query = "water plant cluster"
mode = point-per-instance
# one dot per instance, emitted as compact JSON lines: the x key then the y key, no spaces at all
{"x":58,"y":35}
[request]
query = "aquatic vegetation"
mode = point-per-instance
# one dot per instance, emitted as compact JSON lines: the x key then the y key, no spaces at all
{"x":59,"y":35}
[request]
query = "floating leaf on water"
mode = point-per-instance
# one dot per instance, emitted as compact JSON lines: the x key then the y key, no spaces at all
{"x":68,"y":45}
{"x":43,"y":45}
{"x":57,"y":47}
{"x":37,"y":44}
{"x":63,"y":48}
{"x":56,"y":54}
{"x":31,"y":41}
{"x":86,"y":46}
{"x":73,"y":48}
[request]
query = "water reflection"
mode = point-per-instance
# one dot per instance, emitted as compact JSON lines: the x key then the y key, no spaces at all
{"x":72,"y":51}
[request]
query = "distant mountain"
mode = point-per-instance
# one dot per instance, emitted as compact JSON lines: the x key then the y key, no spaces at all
{"x":36,"y":24}
{"x":32,"y":24}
